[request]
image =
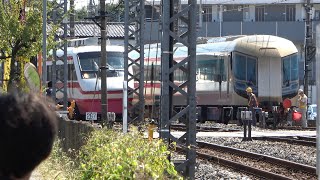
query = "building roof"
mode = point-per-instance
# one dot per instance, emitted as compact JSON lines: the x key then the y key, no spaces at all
{"x":115,"y":30}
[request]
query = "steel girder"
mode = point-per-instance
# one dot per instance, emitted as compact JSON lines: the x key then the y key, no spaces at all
{"x":171,"y":35}
{"x":134,"y":14}
{"x":60,"y":72}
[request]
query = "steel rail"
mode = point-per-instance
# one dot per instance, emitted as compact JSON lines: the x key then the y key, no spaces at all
{"x":270,"y":159}
{"x":287,"y":140}
{"x":242,"y":167}
{"x":203,"y":129}
{"x":239,"y":167}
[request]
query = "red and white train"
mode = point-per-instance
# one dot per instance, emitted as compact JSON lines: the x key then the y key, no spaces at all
{"x":84,"y":84}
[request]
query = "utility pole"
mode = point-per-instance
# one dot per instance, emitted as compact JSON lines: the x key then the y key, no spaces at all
{"x":60,"y":73}
{"x":309,"y":50}
{"x":103,"y":65}
{"x":170,"y":35}
{"x":72,"y":19}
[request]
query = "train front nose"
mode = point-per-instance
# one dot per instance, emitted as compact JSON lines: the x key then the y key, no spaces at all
{"x":269,"y":78}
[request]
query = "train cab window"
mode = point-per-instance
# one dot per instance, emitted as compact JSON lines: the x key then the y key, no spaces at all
{"x":89,"y":64}
{"x":289,"y":69}
{"x":211,"y":69}
{"x":116,"y":60}
{"x":246,"y":68}
{"x":89,"y":68}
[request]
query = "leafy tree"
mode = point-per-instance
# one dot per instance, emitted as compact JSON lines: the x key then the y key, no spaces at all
{"x":81,"y":14}
{"x":20,"y":35}
{"x":115,"y":12}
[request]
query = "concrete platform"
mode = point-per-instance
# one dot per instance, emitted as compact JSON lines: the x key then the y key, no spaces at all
{"x":240,"y":133}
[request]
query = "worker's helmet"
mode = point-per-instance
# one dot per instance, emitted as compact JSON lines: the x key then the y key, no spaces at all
{"x":300,"y":91}
{"x":249,"y":89}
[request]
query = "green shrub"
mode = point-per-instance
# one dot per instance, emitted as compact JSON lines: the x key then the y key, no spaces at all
{"x":113,"y":155}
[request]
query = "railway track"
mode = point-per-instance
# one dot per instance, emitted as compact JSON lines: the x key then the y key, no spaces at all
{"x":258,"y":165}
{"x":179,"y":127}
{"x":299,"y":140}
{"x":298,"y":128}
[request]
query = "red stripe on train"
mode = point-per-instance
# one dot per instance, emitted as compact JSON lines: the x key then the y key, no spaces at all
{"x":94,"y":105}
{"x":77,"y":85}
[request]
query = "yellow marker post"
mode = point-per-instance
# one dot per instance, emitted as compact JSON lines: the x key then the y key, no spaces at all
{"x":151,"y":127}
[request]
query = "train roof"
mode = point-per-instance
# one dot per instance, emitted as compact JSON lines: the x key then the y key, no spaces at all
{"x":256,"y":45}
{"x":80,"y":49}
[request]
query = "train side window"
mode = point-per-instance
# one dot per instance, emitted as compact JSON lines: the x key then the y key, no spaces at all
{"x":246,"y":68}
{"x":213,"y":70}
{"x":240,"y":62}
{"x":286,"y":71}
{"x":251,"y":71}
{"x":290,"y":69}
{"x":294,"y":67}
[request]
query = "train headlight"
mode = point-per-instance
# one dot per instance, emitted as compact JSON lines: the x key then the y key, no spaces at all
{"x":85,"y":76}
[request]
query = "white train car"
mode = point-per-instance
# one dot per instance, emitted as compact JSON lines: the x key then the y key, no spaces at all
{"x":84,"y":84}
{"x":226,"y":67}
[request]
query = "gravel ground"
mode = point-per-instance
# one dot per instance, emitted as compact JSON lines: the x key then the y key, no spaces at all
{"x":297,"y":153}
{"x":205,"y":170}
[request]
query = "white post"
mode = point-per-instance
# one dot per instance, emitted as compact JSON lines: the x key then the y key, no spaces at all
{"x":125,"y":107}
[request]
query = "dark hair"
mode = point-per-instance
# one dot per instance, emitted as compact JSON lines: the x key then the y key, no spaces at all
{"x":27,"y":130}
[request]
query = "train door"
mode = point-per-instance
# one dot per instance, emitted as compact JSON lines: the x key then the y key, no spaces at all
{"x":269,"y":78}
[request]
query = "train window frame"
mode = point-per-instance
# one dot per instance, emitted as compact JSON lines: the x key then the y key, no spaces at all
{"x":290,"y":70}
{"x":235,"y":63}
{"x":95,"y":57}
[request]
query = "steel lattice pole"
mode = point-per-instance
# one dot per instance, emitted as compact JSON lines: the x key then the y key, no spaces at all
{"x":170,"y":35}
